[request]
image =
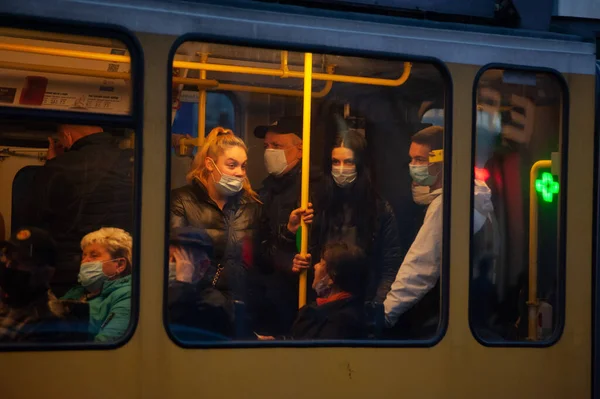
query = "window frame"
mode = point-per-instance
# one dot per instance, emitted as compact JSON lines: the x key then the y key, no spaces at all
{"x":562,"y":211}
{"x":12,"y":205}
{"x":329,"y":50}
{"x":132,"y":121}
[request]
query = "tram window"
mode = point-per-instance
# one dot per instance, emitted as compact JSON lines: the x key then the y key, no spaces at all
{"x":516,"y":255}
{"x":64,"y":72}
{"x":233,"y":268}
{"x":220,"y":111}
{"x":67,"y":264}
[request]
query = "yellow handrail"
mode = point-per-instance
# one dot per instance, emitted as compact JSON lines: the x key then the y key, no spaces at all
{"x":228,"y":68}
{"x":305,"y":170}
{"x":532,"y":302}
{"x":206,"y":83}
{"x":60,"y":52}
{"x":202,"y":105}
{"x":274,"y":91}
{"x":283,"y":72}
{"x":19,"y":66}
{"x":211,"y":84}
{"x":297,"y":74}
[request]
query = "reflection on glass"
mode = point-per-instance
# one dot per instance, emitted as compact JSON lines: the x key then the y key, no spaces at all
{"x":66,"y":270}
{"x":515,"y":282}
{"x":375,"y":213}
{"x":219,"y":112}
{"x":73,"y":73}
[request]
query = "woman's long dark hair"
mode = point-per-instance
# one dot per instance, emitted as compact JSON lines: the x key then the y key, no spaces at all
{"x":360,"y":197}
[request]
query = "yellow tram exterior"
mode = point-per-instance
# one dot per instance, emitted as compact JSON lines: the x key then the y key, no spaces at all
{"x":151,"y":365}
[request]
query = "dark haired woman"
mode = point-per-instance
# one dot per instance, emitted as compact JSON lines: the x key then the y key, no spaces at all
{"x":349,"y":209}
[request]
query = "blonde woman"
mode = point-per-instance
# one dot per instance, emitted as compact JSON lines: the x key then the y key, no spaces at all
{"x":218,"y":199}
{"x":105,"y":282}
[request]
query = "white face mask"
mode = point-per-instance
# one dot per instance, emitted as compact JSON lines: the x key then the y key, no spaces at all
{"x":91,"y":276}
{"x":275,"y":161}
{"x":343,"y":176}
{"x":321,"y":288}
{"x":227,"y":185}
{"x":421,"y":195}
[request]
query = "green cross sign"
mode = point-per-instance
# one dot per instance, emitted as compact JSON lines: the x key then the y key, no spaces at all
{"x":547,"y":186}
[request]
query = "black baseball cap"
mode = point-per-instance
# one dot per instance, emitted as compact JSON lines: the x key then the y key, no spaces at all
{"x":192,"y":237}
{"x":32,"y":243}
{"x":284,"y":125}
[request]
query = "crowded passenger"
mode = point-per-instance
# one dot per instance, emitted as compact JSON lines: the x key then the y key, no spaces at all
{"x":280,"y":194}
{"x":339,"y":282}
{"x":197,"y":310}
{"x":348,"y":208}
{"x":219,"y":199}
{"x":415,"y":288}
{"x":29,"y":311}
{"x":412,"y":307}
{"x":86,"y":183}
{"x":105,"y":282}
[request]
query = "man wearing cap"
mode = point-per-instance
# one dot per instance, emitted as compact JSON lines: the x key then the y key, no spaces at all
{"x":280,"y":195}
{"x":29,"y":312}
{"x":197,"y":310}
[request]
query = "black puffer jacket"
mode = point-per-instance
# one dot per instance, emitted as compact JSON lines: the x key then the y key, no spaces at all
{"x":80,"y":191}
{"x":235,"y":232}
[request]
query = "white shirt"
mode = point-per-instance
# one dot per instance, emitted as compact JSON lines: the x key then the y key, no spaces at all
{"x":420,"y":270}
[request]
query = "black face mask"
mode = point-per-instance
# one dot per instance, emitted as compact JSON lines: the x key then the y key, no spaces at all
{"x":15,"y":285}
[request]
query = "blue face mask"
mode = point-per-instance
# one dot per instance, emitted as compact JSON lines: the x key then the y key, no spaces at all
{"x":91,"y":276}
{"x":228,"y":185}
{"x":420,"y":175}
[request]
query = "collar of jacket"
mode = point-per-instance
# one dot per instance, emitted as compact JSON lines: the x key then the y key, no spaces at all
{"x":94,"y":138}
{"x":234,"y":202}
{"x":278,"y":184}
{"x":111,"y":286}
{"x":332,"y":298}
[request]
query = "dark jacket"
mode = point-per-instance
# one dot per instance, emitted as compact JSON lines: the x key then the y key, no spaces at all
{"x":384,"y":250}
{"x":235,"y":233}
{"x":341,"y":319}
{"x":44,"y":319}
{"x":280,"y":196}
{"x":199,"y":312}
{"x":86,"y":188}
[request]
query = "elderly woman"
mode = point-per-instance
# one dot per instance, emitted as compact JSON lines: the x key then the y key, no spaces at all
{"x":105,"y":282}
{"x":339,"y":311}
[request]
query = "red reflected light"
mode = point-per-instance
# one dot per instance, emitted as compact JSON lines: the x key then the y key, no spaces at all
{"x":482,"y":174}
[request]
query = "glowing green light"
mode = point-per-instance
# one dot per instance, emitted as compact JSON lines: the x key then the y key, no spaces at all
{"x":547,"y":186}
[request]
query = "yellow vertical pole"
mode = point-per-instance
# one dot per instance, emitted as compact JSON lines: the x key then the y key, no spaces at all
{"x":305,"y":168}
{"x":202,"y":104}
{"x":532,"y":302}
{"x":284,"y":64}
